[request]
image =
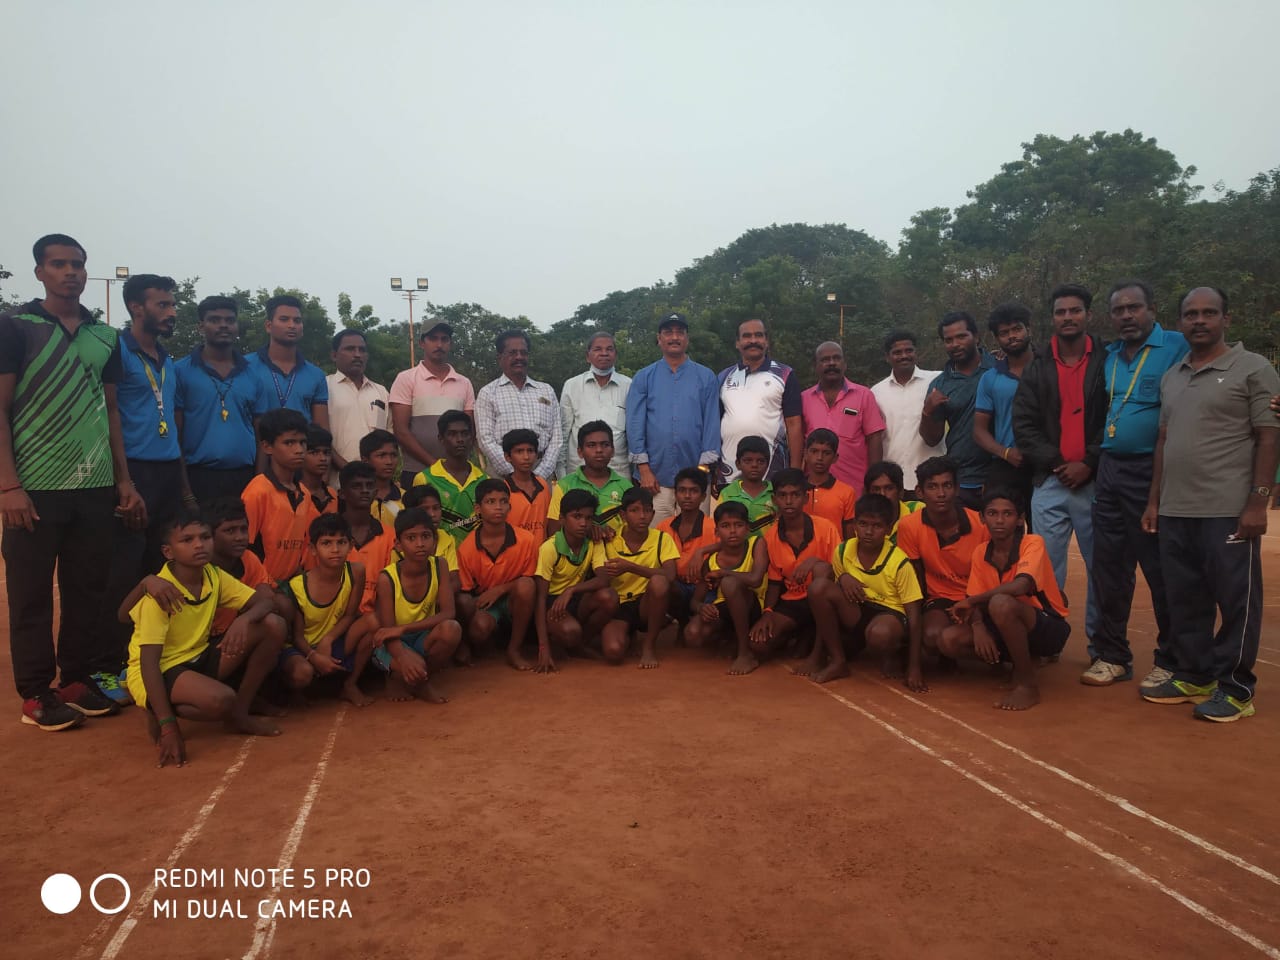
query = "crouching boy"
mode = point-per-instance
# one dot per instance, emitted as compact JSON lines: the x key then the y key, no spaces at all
{"x":729,"y":595}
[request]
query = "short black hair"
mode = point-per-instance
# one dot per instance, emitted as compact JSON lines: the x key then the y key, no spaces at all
{"x":282,"y":300}
{"x":696,"y":475}
{"x":822,"y":435}
{"x":343,"y":334}
{"x":329,"y":525}
{"x":318,"y":436}
{"x":1008,"y":315}
{"x":1004,"y":493}
{"x":936,"y":467}
{"x":185,"y":517}
{"x":885,"y":468}
{"x":1071,"y":290}
{"x":1148,"y":295}
{"x":376,"y":440}
{"x":500,"y":341}
{"x":752,"y":445}
{"x":222,"y":510}
{"x":450,"y":417}
{"x":875,"y":505}
{"x":282,"y":420}
{"x":1222,"y":295}
{"x":491,"y":485}
{"x":790,"y":477}
{"x":216,"y":302}
{"x":41,"y":246}
{"x":416,"y":496}
{"x":593,"y":426}
{"x":731,"y":508}
{"x":637,"y":495}
{"x":513,"y":438}
{"x":579,"y":499}
{"x":958,"y":316}
{"x":136,"y":287}
{"x":411,"y":517}
{"x":895,"y":335}
{"x":356,"y":470}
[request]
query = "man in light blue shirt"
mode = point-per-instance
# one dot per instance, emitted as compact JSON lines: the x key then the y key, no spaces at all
{"x":1134,"y":367}
{"x":673,"y":416}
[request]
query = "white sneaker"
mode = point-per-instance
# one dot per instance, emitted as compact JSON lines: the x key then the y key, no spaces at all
{"x":1156,"y":677}
{"x":1103,"y":674}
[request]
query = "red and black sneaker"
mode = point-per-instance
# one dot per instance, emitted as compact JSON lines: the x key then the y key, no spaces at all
{"x":88,"y":699}
{"x":48,"y":712}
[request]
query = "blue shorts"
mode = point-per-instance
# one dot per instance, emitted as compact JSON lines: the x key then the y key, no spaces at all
{"x":338,"y":652}
{"x":417,"y":642}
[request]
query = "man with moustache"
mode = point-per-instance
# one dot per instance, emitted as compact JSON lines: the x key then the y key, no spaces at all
{"x":849,"y":410}
{"x":759,"y":397}
{"x":900,"y":397}
{"x":598,"y":394}
{"x":1010,"y":324}
{"x":420,"y":395}
{"x":950,"y":404}
{"x":292,"y":381}
{"x":1059,"y":414}
{"x":357,"y":405}
{"x":1135,"y":365}
{"x":1220,"y":440}
{"x":515,"y":401}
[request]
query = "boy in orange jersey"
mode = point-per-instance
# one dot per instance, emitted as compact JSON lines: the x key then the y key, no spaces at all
{"x":694,"y":534}
{"x":315,"y":470}
{"x":278,"y":508}
{"x":530,"y":494}
{"x":372,"y":543}
{"x":829,"y":498}
{"x":379,"y":449}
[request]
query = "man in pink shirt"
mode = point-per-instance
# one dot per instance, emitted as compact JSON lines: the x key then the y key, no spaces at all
{"x":849,"y":410}
{"x":420,"y":395}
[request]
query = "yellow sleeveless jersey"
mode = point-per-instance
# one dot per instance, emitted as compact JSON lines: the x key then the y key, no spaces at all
{"x":713,"y":563}
{"x":407,"y":609}
{"x":319,"y":619}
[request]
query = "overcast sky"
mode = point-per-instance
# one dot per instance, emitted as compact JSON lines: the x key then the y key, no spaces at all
{"x":536,"y":156}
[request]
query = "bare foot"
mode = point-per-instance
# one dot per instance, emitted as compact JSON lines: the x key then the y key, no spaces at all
{"x":253,"y":726}
{"x":462,"y":656}
{"x":352,"y":693}
{"x":648,"y":659}
{"x":808,"y":667}
{"x":397,"y":690}
{"x":517,"y":661}
{"x":743,"y":665}
{"x":833,"y":671}
{"x":265,"y":708}
{"x":427,"y":693}
{"x":1021,"y":697}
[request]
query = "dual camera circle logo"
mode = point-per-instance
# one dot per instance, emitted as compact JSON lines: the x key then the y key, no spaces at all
{"x":61,"y":893}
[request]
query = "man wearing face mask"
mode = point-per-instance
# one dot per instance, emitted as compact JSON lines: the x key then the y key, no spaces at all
{"x":598,"y":394}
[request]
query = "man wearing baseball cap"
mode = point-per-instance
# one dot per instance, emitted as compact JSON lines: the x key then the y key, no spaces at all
{"x":673,"y":416}
{"x":420,"y":395}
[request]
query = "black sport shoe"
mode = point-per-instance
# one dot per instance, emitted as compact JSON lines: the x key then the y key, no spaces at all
{"x":84,"y":695}
{"x":48,"y":712}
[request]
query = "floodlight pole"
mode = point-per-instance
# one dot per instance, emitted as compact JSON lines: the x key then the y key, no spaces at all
{"x":122,"y":274}
{"x":410,"y":295}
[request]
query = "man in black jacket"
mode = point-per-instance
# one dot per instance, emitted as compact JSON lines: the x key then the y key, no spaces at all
{"x":1059,"y":413}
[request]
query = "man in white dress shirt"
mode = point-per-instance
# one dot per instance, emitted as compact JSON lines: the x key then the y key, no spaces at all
{"x":598,"y":394}
{"x":900,"y":397}
{"x":357,"y":405}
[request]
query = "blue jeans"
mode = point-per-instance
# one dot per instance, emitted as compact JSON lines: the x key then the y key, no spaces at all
{"x":1055,"y":512}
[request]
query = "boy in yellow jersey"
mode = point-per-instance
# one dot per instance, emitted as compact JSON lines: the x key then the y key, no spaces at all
{"x":874,"y":595}
{"x":569,"y":607}
{"x":642,"y":566}
{"x":417,"y":631}
{"x":886,"y":479}
{"x":751,"y":489}
{"x":173,"y":669}
{"x":428,"y":498}
{"x":732,"y":581}
{"x":327,"y":639}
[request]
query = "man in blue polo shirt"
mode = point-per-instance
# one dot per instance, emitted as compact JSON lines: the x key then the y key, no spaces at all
{"x":1135,"y":365}
{"x":1010,"y":324}
{"x":948,"y":409}
{"x":291,"y":380}
{"x":217,"y":402}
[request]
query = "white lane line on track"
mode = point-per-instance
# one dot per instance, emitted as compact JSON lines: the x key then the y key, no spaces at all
{"x":188,"y":838}
{"x":264,"y":930}
{"x":1114,"y":859}
{"x":1269,"y":663}
{"x":1121,"y":802}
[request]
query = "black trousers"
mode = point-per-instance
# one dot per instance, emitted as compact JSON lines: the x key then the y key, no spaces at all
{"x":213,"y":483}
{"x":1120,"y":546}
{"x":75,"y":532}
{"x":1203,"y":571}
{"x":970,"y":497}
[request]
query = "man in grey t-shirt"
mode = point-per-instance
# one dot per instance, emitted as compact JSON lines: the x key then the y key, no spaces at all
{"x":1215,"y":462}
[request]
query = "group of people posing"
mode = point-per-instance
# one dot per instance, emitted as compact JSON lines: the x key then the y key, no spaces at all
{"x":227,"y":528}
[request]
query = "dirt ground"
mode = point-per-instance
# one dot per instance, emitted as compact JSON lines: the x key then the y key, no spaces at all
{"x":672,"y":813}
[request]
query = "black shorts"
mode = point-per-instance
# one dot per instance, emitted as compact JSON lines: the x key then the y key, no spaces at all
{"x":939,"y":603}
{"x":574,"y":601}
{"x":754,"y":613}
{"x":680,"y":600}
{"x":797,"y":611}
{"x":1046,"y":639}
{"x":629,"y":612}
{"x":207,"y":664}
{"x":856,"y":642}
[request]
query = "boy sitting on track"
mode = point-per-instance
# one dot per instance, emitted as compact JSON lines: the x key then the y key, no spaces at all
{"x":691,"y":530}
{"x":874,"y":595}
{"x":800,"y":549}
{"x":496,"y":564}
{"x":174,"y":670}
{"x":530,"y":494}
{"x":327,"y":636}
{"x":417,"y":632}
{"x":751,"y":489}
{"x":1014,"y":610}
{"x":570,"y":608}
{"x":729,"y":596}
{"x":829,"y":498}
{"x":642,"y":564}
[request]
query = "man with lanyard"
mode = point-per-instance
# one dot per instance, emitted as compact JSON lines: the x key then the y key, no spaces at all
{"x":216,"y":405}
{"x":759,"y":397}
{"x":673,"y":416}
{"x":1135,"y":365}
{"x":420,"y":395}
{"x":357,"y":405}
{"x":291,"y":380}
{"x":847,"y":409}
{"x":598,"y":394}
{"x":62,"y":472}
{"x":950,"y":403}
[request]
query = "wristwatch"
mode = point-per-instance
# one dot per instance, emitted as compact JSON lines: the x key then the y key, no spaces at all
{"x":1261,"y":491}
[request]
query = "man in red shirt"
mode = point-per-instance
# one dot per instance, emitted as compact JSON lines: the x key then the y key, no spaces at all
{"x":1059,"y":413}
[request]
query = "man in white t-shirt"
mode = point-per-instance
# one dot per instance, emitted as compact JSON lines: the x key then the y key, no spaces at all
{"x":900,"y":397}
{"x":759,"y":397}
